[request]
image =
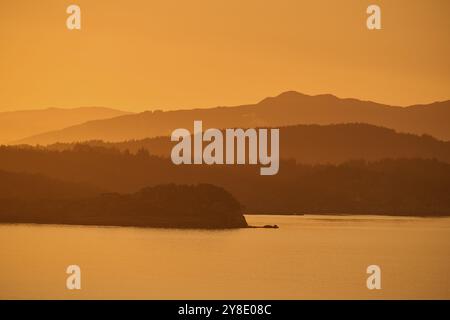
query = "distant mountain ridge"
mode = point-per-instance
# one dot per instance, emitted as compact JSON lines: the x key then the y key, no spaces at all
{"x":289,"y":108}
{"x":15,"y":125}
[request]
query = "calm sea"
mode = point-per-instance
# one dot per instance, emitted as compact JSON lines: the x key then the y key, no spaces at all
{"x":309,"y":257}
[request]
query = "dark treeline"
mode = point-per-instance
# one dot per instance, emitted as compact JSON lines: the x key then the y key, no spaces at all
{"x":315,"y":144}
{"x":397,"y":187}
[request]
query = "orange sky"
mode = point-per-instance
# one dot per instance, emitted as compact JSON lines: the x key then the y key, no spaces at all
{"x":147,"y":54}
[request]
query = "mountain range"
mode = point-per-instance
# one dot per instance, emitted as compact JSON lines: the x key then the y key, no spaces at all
{"x":287,"y":109}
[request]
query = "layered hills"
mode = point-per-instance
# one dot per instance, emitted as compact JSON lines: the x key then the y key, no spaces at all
{"x":289,"y":108}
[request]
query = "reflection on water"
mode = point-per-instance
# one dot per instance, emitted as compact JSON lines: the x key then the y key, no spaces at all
{"x":309,"y":257}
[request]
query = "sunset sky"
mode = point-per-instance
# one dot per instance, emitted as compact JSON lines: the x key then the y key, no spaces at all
{"x":162,"y":54}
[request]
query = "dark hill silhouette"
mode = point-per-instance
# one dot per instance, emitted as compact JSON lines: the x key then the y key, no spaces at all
{"x":390,"y":186}
{"x":315,"y":144}
{"x":289,"y":108}
{"x":17,"y":125}
{"x":23,"y":186}
{"x":166,"y":206}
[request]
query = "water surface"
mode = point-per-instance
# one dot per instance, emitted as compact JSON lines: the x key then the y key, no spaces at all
{"x":309,"y":257}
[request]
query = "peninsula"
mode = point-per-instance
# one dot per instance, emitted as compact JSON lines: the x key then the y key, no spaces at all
{"x":202,"y":206}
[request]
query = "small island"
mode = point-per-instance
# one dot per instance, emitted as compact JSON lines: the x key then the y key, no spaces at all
{"x":202,"y":206}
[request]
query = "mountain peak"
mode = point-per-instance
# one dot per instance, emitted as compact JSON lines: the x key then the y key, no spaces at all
{"x":291,"y":94}
{"x":285,"y":96}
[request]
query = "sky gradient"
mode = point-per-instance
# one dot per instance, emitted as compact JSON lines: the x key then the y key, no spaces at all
{"x":160,"y":54}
